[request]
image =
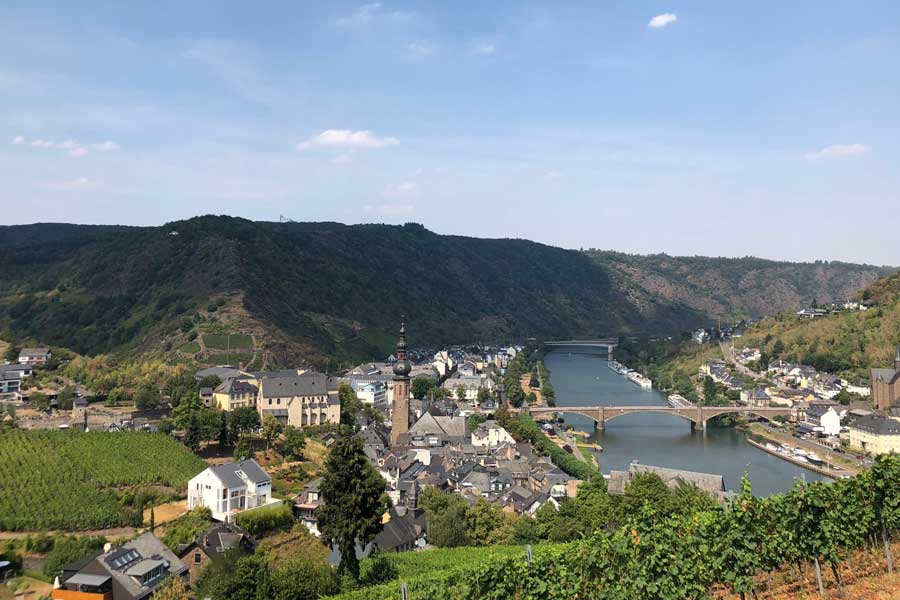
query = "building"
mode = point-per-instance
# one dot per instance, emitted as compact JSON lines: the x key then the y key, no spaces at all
{"x":875,"y":434}
{"x":471,"y":384}
{"x":822,"y":418}
{"x":400,"y":409}
{"x":374,"y":393}
{"x":300,"y":400}
{"x":234,"y":393}
{"x":231,"y":488}
{"x":708,"y":482}
{"x":214,"y":542}
{"x":305,"y":505}
{"x":11,"y":377}
{"x":131,"y":571}
{"x":886,"y":385}
{"x":34,"y":356}
{"x":491,"y":435}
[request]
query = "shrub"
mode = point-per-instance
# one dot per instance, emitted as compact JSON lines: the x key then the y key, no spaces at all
{"x":266,"y":520}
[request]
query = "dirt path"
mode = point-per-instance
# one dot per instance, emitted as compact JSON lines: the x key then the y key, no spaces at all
{"x":527,"y":389}
{"x":166,"y":512}
{"x":115,"y":532}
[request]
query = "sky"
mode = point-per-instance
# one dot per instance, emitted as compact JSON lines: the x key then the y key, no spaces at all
{"x":764,"y":128}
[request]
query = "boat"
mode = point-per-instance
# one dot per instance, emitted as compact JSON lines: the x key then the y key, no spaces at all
{"x":771,"y":446}
{"x":814,"y":458}
{"x":639,"y":379}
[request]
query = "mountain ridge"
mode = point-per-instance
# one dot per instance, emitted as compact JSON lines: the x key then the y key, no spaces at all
{"x":321,"y":291}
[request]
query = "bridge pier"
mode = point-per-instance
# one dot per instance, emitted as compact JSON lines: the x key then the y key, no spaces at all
{"x":600,"y":423}
{"x":701,"y":426}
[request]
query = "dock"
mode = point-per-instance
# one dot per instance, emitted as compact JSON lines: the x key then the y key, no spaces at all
{"x":806,"y":465}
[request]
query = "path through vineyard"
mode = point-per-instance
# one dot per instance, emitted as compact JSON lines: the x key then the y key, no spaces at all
{"x":110,"y":534}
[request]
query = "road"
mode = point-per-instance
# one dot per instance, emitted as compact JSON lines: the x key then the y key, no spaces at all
{"x":729,"y":358}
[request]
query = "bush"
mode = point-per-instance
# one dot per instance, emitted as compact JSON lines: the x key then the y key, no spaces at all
{"x":69,"y":549}
{"x":378,"y":569}
{"x":266,"y":520}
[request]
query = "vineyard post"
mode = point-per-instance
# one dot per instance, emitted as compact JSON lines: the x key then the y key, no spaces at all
{"x":819,"y":578}
{"x":404,"y":592}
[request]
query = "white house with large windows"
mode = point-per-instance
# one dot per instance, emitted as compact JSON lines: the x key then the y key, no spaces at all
{"x":231,"y":488}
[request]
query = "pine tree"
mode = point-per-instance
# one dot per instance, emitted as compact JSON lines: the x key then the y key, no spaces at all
{"x":223,"y":431}
{"x":192,"y":437}
{"x":354,"y":501}
{"x":152,"y":520}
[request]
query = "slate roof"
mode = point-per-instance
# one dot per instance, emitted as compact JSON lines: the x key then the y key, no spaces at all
{"x":34,"y":352}
{"x":236,"y":386}
{"x":708,"y":482}
{"x":308,"y":384}
{"x":222,"y":373}
{"x":140,"y":555}
{"x":405,"y":527}
{"x":887,"y":375}
{"x":227,"y":473}
{"x":877,"y":425}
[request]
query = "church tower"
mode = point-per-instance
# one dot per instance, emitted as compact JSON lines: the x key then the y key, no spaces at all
{"x":400,"y":412}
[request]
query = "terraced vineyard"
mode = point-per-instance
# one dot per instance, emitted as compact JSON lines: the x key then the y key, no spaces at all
{"x":226,"y":341}
{"x":70,"y":480}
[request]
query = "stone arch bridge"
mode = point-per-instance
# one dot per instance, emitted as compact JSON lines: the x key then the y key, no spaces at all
{"x":697,"y":415}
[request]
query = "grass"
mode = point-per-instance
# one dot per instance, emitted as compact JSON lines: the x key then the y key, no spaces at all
{"x":232,"y":358}
{"x":227,"y":341}
{"x":190,"y":348}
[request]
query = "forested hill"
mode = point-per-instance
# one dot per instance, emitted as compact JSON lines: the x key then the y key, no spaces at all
{"x":730,"y":288}
{"x":316,"y":290}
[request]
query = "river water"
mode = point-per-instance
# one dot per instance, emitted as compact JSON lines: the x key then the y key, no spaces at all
{"x":661,"y":440}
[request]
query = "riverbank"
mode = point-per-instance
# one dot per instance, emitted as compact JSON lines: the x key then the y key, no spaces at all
{"x":805,"y":464}
{"x":848,"y":466}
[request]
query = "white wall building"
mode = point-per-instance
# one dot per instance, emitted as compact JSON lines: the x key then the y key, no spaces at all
{"x":231,"y":488}
{"x":491,"y":435}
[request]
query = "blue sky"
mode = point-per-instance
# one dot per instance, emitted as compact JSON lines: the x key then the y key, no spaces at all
{"x":720,"y":128}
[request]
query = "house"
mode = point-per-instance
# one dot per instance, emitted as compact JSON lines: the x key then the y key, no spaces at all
{"x":471,"y":386}
{"x":757,"y":397}
{"x":374,"y":393}
{"x":222,"y":373}
{"x":301,"y":400}
{"x":710,"y":483}
{"x":875,"y":434}
{"x":214,"y":542}
{"x":822,"y":418}
{"x":231,"y":488}
{"x":885,"y":385}
{"x":131,"y":571}
{"x":34,"y":356}
{"x":234,"y":393}
{"x":436,"y":430}
{"x":206,"y":396}
{"x":403,"y":529}
{"x":305,"y":505}
{"x":860,"y":388}
{"x":11,"y":378}
{"x":491,"y":435}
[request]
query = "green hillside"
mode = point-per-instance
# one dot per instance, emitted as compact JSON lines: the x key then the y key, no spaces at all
{"x":319,"y":291}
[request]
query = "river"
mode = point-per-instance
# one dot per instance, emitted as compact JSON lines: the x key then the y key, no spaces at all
{"x":661,"y":440}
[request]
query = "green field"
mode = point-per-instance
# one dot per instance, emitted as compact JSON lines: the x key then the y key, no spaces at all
{"x":433,"y":570}
{"x":72,"y":480}
{"x":231,"y":358}
{"x":228,"y":341}
{"x":190,"y":348}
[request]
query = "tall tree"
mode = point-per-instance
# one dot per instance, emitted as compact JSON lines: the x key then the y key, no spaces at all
{"x":272,"y":428}
{"x":354,"y":500}
{"x":350,"y":404}
{"x":421,"y":386}
{"x":224,"y":433}
{"x":192,"y":436}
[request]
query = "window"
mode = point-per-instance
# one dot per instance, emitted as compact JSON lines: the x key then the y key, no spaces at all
{"x":197,"y":558}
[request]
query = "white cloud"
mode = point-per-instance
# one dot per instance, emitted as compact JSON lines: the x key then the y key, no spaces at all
{"x":401,"y":190}
{"x":107,"y":146}
{"x":662,"y":20}
{"x":18,"y":140}
{"x":360,"y":16}
{"x":421,"y":50}
{"x":838,"y":151}
{"x":78,"y":152}
{"x":350,"y":140}
{"x":484,"y":48}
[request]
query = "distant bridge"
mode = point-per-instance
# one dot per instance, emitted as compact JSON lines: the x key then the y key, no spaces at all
{"x":608,"y":343}
{"x":697,"y":415}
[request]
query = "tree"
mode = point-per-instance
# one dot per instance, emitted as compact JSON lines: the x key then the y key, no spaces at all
{"x":294,"y":443}
{"x":66,"y":398}
{"x":243,"y":447}
{"x":192,"y":436}
{"x":244,"y":419}
{"x":446,"y":518}
{"x":531,"y":398}
{"x":40,"y":401}
{"x":534,"y":382}
{"x":165,"y":426}
{"x":484,"y":396}
{"x":350,"y":404}
{"x":482,"y":520}
{"x":147,"y":397}
{"x":460,"y":392}
{"x":272,"y":428}
{"x":224,"y":434}
{"x":474,"y":421}
{"x":11,"y":354}
{"x":300,"y":577}
{"x":777,"y":348}
{"x":354,"y":501}
{"x":152,"y":520}
{"x":232,"y":576}
{"x":709,"y":390}
{"x":116,"y":396}
{"x":421,"y":386}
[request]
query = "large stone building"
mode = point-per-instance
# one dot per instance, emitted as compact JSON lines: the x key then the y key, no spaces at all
{"x":875,"y":434}
{"x":300,"y":400}
{"x":886,"y":385}
{"x":400,"y":411}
